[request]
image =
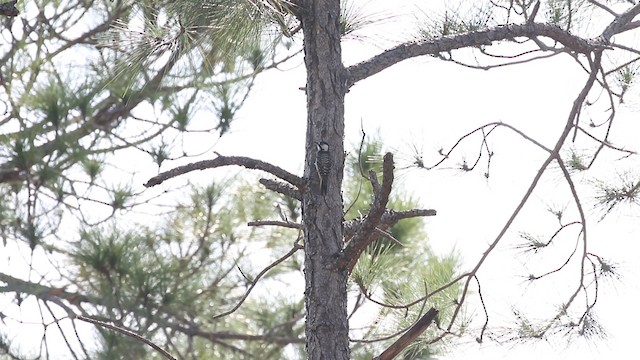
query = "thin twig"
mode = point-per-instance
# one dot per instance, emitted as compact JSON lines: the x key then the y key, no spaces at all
{"x":295,"y":248}
{"x":285,"y":224}
{"x":129,"y":333}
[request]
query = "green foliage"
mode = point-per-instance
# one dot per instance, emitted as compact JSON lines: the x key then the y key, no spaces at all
{"x":456,"y":21}
{"x":625,"y":77}
{"x":565,"y":13}
{"x":86,"y":84}
{"x":354,"y":18}
{"x":51,"y":100}
{"x":400,"y":267}
{"x":610,"y":194}
{"x":194,"y":265}
{"x":576,"y":162}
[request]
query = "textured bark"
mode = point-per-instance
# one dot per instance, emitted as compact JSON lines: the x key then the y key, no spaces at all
{"x":327,"y":328}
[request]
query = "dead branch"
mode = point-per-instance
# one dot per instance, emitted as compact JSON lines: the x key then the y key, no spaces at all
{"x":406,"y":339}
{"x":366,"y":233}
{"x":220,"y":161}
{"x":484,"y":307}
{"x":554,"y":155}
{"x":285,"y":224}
{"x":281,"y":188}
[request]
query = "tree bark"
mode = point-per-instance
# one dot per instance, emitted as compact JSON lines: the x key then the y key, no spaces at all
{"x":327,"y":328}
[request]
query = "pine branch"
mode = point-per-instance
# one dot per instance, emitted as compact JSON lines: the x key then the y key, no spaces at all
{"x":387,"y":220}
{"x":436,"y":46}
{"x":42,"y":291}
{"x":406,"y":339}
{"x":128,"y":333}
{"x":55,"y":295}
{"x":620,"y":23}
{"x":220,"y":161}
{"x":281,"y":188}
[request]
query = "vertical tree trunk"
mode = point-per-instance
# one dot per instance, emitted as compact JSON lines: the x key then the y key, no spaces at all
{"x":327,"y":328}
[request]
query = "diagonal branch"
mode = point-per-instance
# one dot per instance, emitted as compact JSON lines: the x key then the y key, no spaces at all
{"x":129,"y":333}
{"x":620,"y":23}
{"x":367,"y":232}
{"x":294,"y":249}
{"x":41,"y":291}
{"x":220,"y":161}
{"x":409,"y":50}
{"x":406,"y":339}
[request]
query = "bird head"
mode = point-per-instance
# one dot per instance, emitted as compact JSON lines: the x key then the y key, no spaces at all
{"x":323,"y":146}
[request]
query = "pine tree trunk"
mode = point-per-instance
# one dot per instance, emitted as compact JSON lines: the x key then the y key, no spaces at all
{"x":327,"y":328}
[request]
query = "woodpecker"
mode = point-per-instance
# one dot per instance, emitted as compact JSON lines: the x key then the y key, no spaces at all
{"x":323,"y":165}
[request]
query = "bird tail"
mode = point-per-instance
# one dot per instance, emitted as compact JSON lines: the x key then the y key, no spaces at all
{"x":323,"y":186}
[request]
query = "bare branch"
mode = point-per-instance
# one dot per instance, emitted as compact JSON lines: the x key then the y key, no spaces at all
{"x":21,"y":286}
{"x":534,"y":12}
{"x":406,"y":339}
{"x":47,"y":293}
{"x":246,"y":162}
{"x":484,"y":306}
{"x":295,"y":248}
{"x":216,"y":337}
{"x":286,"y":224}
{"x":630,"y":26}
{"x":492,"y":126}
{"x":620,"y":23}
{"x":281,"y":188}
{"x":554,"y":155}
{"x":603,"y":7}
{"x":473,"y":39}
{"x":128,"y":333}
{"x":365,"y":234}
